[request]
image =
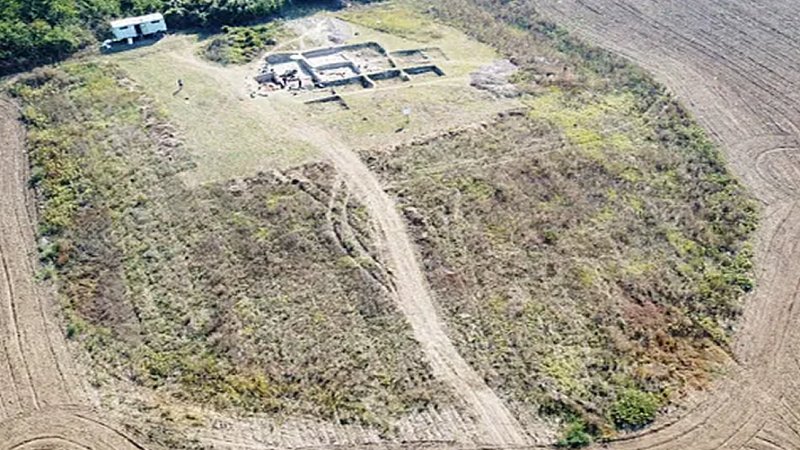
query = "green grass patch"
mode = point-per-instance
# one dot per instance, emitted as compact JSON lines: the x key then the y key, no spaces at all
{"x":634,"y":409}
{"x":240,"y":45}
{"x":395,"y":19}
{"x":575,"y":436}
{"x":596,"y":124}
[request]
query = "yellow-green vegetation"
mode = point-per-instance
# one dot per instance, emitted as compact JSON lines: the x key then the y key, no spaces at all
{"x":396,"y":19}
{"x":459,"y":56}
{"x":240,"y":45}
{"x":575,"y":436}
{"x":591,"y":122}
{"x":229,"y":295}
{"x":375,"y":118}
{"x":590,"y":254}
{"x":634,"y":409}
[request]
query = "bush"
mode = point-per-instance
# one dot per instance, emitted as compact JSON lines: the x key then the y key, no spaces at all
{"x":240,"y":45}
{"x":575,"y":436}
{"x":193,"y":13}
{"x":37,"y":32}
{"x":634,"y":409}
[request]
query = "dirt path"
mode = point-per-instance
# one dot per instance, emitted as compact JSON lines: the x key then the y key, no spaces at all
{"x":498,"y":425}
{"x":411,"y":291}
{"x":735,"y":64}
{"x":36,"y":371}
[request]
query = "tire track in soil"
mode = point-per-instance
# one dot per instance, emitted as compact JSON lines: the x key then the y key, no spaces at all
{"x":735,"y":65}
{"x":499,"y":427}
{"x":63,"y":428}
{"x":43,"y":402}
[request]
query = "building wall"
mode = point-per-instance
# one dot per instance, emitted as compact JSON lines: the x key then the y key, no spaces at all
{"x":124,"y":32}
{"x":154,"y":27}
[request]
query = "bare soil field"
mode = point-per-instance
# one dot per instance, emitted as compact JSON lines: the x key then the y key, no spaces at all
{"x":735,"y":64}
{"x":43,"y":401}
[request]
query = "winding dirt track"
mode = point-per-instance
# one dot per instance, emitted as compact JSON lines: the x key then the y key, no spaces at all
{"x":498,"y":425}
{"x":43,"y":404}
{"x":736,"y":64}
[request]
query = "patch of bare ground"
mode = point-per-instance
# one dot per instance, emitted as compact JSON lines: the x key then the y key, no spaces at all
{"x":734,"y":63}
{"x":43,"y":402}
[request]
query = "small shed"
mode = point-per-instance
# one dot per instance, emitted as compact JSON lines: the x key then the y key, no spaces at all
{"x":131,"y":28}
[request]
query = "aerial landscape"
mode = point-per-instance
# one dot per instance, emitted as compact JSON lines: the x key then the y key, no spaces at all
{"x":399,"y":224}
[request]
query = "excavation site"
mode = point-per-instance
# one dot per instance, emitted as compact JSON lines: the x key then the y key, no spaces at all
{"x":399,"y":224}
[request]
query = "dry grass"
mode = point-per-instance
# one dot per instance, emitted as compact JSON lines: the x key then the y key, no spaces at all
{"x":396,"y":19}
{"x":237,"y":296}
{"x":577,"y":256}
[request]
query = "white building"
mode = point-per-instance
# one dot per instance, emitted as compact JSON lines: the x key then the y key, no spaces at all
{"x":134,"y":27}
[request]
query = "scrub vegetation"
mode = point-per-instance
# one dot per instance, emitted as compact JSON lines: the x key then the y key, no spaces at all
{"x":589,"y":266}
{"x":590,"y":253}
{"x":587,"y":248}
{"x":234,"y":295}
{"x":240,"y":45}
{"x":34,"y":32}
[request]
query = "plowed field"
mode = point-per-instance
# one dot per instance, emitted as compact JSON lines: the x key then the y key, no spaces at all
{"x":43,"y":403}
{"x":735,"y":65}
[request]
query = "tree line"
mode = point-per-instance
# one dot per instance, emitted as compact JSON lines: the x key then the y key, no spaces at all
{"x":35,"y":32}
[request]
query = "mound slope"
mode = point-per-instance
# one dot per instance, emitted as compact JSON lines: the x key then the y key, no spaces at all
{"x":43,"y":402}
{"x":734,"y":64}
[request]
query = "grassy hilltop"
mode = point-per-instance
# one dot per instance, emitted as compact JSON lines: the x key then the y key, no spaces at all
{"x":585,"y":245}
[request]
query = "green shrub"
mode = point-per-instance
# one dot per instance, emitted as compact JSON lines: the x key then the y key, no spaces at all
{"x":240,"y":45}
{"x":575,"y":436}
{"x":634,"y":409}
{"x":38,"y":32}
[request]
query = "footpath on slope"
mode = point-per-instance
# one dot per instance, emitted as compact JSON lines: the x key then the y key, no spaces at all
{"x":43,"y":403}
{"x":499,"y":426}
{"x":734,"y":63}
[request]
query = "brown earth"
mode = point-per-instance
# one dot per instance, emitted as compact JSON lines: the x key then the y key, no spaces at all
{"x":43,"y":402}
{"x":735,"y":65}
